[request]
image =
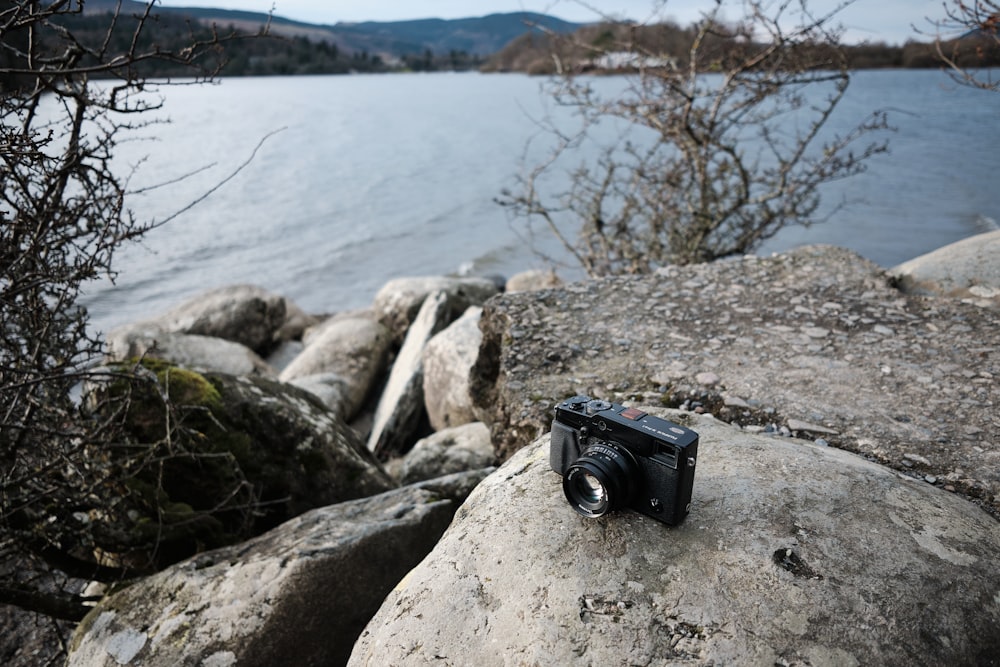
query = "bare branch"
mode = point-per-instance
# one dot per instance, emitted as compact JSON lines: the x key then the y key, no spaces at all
{"x":723,"y":147}
{"x":967,"y":41}
{"x":74,"y":471}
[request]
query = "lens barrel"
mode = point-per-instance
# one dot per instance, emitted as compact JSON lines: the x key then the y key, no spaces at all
{"x":603,"y":479}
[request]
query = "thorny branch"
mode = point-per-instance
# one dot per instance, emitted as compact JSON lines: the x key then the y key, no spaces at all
{"x":73,"y":479}
{"x":725,"y":138}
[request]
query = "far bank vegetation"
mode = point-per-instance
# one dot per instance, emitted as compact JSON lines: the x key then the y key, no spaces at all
{"x":667,"y":42}
{"x":537,"y":51}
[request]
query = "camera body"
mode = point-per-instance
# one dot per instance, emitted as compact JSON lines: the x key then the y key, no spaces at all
{"x":612,"y":457}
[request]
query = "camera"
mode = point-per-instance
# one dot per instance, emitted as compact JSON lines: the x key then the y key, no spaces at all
{"x":612,"y":457}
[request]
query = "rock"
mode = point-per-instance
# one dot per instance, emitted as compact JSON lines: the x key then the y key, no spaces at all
{"x":297,"y":321}
{"x":734,"y":402}
{"x":896,"y":373}
{"x":399,"y":300}
{"x":401,"y":406}
{"x":322,"y":461}
{"x":316,"y":330}
{"x":799,"y":425}
{"x":331,"y":389}
{"x":243,"y":314}
{"x":28,"y":639}
{"x":967,"y":269}
{"x":456,"y":449}
{"x":297,"y":595}
{"x":707,"y":379}
{"x":535,"y":279}
{"x":202,"y":353}
{"x":792,"y":554}
{"x":447,"y":360}
{"x":243,"y":455}
{"x":355,"y":349}
{"x":284,"y":354}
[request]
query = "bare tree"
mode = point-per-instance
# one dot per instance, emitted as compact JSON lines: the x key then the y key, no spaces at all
{"x":67,"y":99}
{"x":722,"y":143}
{"x":967,"y":39}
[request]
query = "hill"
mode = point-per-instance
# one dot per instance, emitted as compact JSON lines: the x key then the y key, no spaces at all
{"x":394,"y":40}
{"x":477,"y":36}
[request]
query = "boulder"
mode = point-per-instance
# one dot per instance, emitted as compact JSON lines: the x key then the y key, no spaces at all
{"x":399,"y":300}
{"x":534,"y":279}
{"x":30,"y":639}
{"x":332,"y":389}
{"x":308,"y":455}
{"x":244,"y":314}
{"x":816,"y":336}
{"x":453,"y":450}
{"x":284,"y":354}
{"x":313,"y":332}
{"x":354,"y":349}
{"x":793,"y":554}
{"x":968,"y":269}
{"x":297,"y":595}
{"x":203,"y":353}
{"x":401,"y":406}
{"x":447,"y":360}
{"x":297,"y":322}
{"x":233,"y":457}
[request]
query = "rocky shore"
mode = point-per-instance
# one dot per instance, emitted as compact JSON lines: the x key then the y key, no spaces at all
{"x":842,"y":508}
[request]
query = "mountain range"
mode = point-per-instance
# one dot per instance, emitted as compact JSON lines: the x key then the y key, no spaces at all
{"x":479,"y":36}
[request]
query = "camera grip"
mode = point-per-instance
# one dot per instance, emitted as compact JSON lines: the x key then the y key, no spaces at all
{"x":564,"y":447}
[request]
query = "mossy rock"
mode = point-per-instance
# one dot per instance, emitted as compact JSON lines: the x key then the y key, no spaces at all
{"x":230,"y":458}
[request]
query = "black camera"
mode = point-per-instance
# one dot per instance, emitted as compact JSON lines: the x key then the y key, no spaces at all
{"x":613,"y":457}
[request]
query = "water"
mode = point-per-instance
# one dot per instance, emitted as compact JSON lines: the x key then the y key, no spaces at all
{"x":367,"y":178}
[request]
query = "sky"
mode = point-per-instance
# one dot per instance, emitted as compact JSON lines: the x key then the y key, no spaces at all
{"x":891,"y":21}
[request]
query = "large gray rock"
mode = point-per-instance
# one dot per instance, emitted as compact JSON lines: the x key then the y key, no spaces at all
{"x":448,"y":359}
{"x":245,"y":314}
{"x":967,"y":269}
{"x":401,"y":405}
{"x":398,"y":302}
{"x":354,"y":349}
{"x":297,"y":595}
{"x":455,"y":449}
{"x":203,"y":353}
{"x":815,"y":341}
{"x":793,"y":554}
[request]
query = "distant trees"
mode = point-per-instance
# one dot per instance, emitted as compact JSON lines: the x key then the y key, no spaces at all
{"x":716,"y":144}
{"x":453,"y":61}
{"x":66,"y":468}
{"x":267,"y":55}
{"x":548,"y":53}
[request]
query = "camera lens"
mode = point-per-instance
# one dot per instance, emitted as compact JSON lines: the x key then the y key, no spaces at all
{"x":601,"y":480}
{"x":589,"y":489}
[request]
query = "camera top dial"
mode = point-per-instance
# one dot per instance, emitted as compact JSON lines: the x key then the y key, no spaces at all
{"x":594,"y":406}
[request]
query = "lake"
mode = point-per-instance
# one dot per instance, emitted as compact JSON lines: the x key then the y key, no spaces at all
{"x":361,"y":179}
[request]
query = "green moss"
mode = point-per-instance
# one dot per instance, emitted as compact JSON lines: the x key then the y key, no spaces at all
{"x":186,"y":387}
